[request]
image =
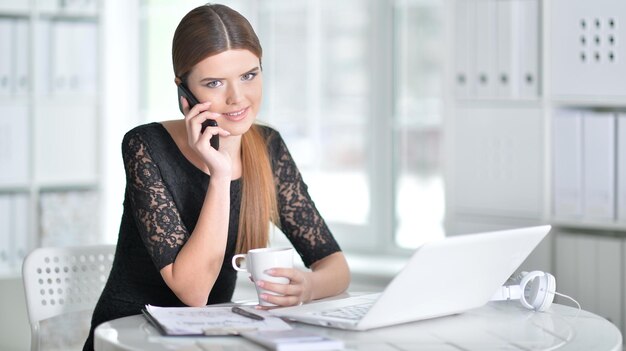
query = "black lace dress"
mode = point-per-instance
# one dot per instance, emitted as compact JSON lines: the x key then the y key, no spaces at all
{"x":163,"y":197}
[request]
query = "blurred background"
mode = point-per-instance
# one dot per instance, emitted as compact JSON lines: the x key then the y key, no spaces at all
{"x":410,"y":120}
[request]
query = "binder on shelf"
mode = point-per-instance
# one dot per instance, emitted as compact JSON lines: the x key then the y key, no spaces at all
{"x":22,"y":57}
{"x":529,"y":74}
{"x":586,"y":269}
{"x":14,"y":145}
{"x":567,"y":164}
{"x":62,"y":53}
{"x":599,"y":166}
{"x":7,"y":77}
{"x":507,"y":49}
{"x":566,"y":262}
{"x":74,"y":57}
{"x":464,"y":43}
{"x":83,"y":79}
{"x":621,"y":167}
{"x":5,"y":233}
{"x":583,"y":256}
{"x":485,"y":48}
{"x":43,"y":62}
{"x":22,"y":240}
{"x":608,"y":287}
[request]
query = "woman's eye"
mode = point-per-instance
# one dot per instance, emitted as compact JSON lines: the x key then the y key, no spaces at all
{"x":249,"y":76}
{"x":213,"y":84}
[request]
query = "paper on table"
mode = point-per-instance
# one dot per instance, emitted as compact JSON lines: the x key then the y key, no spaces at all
{"x":294,"y":340}
{"x":209,"y":321}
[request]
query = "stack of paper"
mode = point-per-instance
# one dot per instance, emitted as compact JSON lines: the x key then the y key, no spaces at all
{"x":208,"y":320}
{"x":294,"y":340}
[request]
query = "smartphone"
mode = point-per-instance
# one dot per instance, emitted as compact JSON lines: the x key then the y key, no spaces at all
{"x":185,"y":92}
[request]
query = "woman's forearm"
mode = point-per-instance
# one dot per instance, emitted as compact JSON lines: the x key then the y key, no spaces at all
{"x":192,"y":275}
{"x":329,"y":276}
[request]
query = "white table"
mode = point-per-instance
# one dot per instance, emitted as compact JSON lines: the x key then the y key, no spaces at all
{"x":502,"y":325}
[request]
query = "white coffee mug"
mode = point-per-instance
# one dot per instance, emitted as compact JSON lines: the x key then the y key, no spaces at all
{"x":258,"y":261}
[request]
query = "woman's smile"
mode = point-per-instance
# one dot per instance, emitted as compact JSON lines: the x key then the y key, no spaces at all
{"x":236,"y":116}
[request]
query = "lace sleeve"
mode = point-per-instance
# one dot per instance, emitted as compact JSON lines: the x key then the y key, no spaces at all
{"x":157,"y":218}
{"x":300,"y":219}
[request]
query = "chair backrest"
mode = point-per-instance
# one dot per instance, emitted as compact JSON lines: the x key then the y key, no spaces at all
{"x":59,"y":280}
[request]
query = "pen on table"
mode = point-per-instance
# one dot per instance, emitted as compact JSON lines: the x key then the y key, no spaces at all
{"x":240,"y":311}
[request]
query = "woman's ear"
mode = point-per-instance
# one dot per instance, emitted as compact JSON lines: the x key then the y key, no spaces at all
{"x":177,"y":80}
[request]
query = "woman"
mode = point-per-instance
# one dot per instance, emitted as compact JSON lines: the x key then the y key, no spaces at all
{"x":189,"y":208}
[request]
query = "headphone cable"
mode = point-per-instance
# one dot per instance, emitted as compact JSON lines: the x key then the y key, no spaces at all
{"x":570,"y":298}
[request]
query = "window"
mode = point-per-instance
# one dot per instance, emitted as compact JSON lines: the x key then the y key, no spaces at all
{"x":354,"y":87}
{"x":318,"y":96}
{"x":418,"y":124}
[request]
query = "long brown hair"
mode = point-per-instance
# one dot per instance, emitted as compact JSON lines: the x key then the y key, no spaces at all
{"x":209,"y":30}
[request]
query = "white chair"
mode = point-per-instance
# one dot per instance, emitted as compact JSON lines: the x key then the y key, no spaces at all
{"x":60,"y":280}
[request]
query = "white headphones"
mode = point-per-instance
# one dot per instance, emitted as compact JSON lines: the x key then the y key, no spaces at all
{"x":535,"y":290}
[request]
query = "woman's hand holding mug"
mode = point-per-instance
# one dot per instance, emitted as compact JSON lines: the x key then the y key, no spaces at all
{"x":259,"y":261}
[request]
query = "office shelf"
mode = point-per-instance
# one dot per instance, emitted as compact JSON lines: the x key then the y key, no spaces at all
{"x":504,"y":155}
{"x":50,"y":125}
{"x":597,"y":226}
{"x":14,"y":8}
{"x":606,"y":102}
{"x":489,"y":40}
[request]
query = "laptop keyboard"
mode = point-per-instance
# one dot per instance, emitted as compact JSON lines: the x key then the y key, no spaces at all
{"x":353,"y":312}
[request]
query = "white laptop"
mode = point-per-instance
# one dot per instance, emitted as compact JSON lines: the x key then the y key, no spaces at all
{"x":441,"y":278}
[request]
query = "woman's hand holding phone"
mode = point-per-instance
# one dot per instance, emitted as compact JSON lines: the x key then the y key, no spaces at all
{"x":199,"y":134}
